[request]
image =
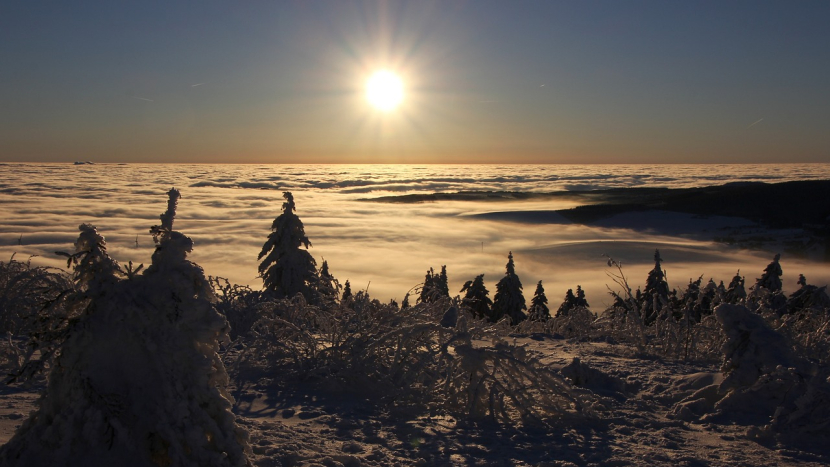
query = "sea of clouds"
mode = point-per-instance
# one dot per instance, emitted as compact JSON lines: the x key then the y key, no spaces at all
{"x":228,"y":209}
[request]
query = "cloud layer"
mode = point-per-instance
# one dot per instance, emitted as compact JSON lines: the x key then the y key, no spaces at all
{"x":228,"y":210}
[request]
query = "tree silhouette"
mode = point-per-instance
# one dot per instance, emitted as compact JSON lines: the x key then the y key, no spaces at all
{"x":539,"y":310}
{"x":287,"y":269}
{"x":655,"y":285}
{"x":509,"y":300}
{"x":771,"y":279}
{"x":476,"y":297}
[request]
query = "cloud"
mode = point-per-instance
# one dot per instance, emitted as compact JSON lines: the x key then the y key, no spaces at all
{"x":228,"y":211}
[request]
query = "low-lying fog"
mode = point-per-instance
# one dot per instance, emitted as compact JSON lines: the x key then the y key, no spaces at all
{"x":228,"y":209}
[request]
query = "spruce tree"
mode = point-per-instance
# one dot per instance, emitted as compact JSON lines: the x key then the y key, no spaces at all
{"x":580,"y":297}
{"x":509,"y":300}
{"x":442,"y":283}
{"x":476,"y":297}
{"x":539,"y":310}
{"x":568,"y":303}
{"x":736,"y":292}
{"x":655,"y":285}
{"x":428,"y":289}
{"x":771,"y":279}
{"x":347,"y":292}
{"x":328,"y":288}
{"x":435,"y":287}
{"x":287,"y":269}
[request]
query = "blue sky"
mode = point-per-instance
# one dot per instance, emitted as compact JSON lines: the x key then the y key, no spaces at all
{"x":519,"y":81}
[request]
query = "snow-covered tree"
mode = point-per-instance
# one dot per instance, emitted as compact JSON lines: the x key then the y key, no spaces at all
{"x":442,"y":284}
{"x":771,"y":279}
{"x":572,"y":301}
{"x":287,"y":268}
{"x":580,"y":297}
{"x":435,"y":286}
{"x":655,"y":285}
{"x":567,"y":303}
{"x":539,"y":310}
{"x":476,"y":297}
{"x":347,"y":292}
{"x":405,"y":303}
{"x":509,"y":300}
{"x":735,"y":292}
{"x":138,"y":381}
{"x":428,"y":292}
{"x":328,"y":287}
{"x":808,"y":297}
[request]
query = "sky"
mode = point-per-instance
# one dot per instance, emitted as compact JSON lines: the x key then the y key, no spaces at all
{"x":484,"y":81}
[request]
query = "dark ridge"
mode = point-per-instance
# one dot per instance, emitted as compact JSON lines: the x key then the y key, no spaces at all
{"x":798,"y":204}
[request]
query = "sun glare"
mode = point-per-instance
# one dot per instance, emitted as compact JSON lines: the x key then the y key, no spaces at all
{"x":384,"y":90}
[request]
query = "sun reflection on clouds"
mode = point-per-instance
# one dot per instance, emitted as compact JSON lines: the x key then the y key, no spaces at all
{"x":391,"y":245}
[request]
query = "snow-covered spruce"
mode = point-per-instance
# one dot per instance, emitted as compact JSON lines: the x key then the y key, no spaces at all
{"x":508,"y":300}
{"x":138,"y":381}
{"x":476,"y":297}
{"x":286,"y":269}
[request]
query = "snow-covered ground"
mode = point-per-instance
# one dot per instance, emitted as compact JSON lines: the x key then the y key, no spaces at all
{"x":298,"y":425}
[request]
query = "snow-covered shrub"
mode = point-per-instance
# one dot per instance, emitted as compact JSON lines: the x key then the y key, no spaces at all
{"x":32,"y":314}
{"x":808,"y":297}
{"x":809,"y":330}
{"x":238,"y":303}
{"x":577,"y":323}
{"x":765,"y":383}
{"x":138,"y":381}
{"x":405,"y":357}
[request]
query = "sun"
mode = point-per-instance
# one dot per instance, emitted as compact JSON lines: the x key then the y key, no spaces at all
{"x":384,"y":90}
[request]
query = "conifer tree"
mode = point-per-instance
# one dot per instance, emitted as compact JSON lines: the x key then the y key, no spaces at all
{"x":539,"y":310}
{"x":476,"y":297}
{"x":771,"y":279}
{"x":428,"y":288}
{"x":736,"y":292}
{"x":655,"y":285}
{"x":287,"y":269}
{"x":580,"y":297}
{"x":442,"y":284}
{"x":706,"y":300}
{"x":347,"y":291}
{"x":405,"y":303}
{"x":509,"y":300}
{"x":568,"y":303}
{"x":328,"y":288}
{"x":435,"y":286}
